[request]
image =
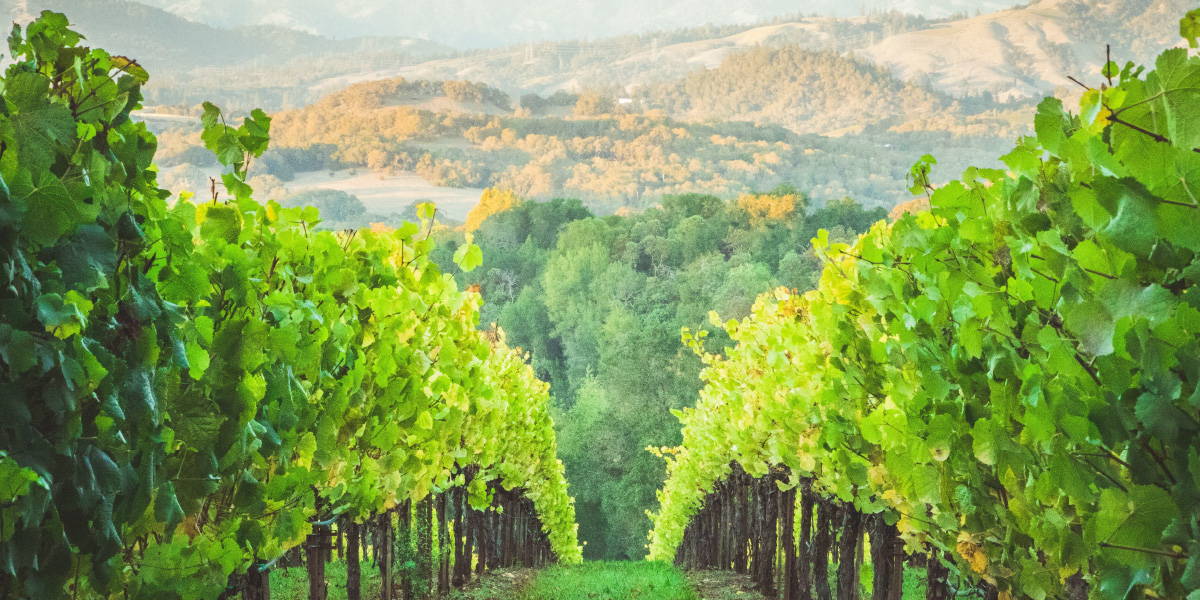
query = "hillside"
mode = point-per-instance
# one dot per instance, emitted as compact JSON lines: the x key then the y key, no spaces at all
{"x":1027,"y":52}
{"x":806,"y":91}
{"x":589,"y":149}
{"x":1014,"y":54}
{"x":165,"y":41}
{"x":627,"y":62}
{"x":263,"y":65}
{"x":483,"y":23}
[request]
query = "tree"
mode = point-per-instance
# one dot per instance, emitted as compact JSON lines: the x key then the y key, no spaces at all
{"x":493,"y":201}
{"x":335,"y":205}
{"x":592,"y":104}
{"x":761,"y":208}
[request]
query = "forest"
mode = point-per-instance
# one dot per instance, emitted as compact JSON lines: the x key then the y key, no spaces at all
{"x":599,"y":303}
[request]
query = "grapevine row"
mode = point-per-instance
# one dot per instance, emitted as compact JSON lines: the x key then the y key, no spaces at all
{"x":191,"y":389}
{"x":419,"y":549}
{"x":1011,"y":377}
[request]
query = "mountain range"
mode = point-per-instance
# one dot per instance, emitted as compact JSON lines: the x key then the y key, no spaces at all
{"x":486,"y":23}
{"x":1010,"y":55}
{"x":258,"y":52}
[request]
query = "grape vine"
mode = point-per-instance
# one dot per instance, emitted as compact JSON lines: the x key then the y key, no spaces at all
{"x":179,"y":379}
{"x":1011,"y":377}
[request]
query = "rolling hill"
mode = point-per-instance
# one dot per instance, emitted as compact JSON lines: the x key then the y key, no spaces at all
{"x":191,"y":61}
{"x":1011,"y":55}
{"x":627,"y":62}
{"x":1029,"y":51}
{"x":485,"y":23}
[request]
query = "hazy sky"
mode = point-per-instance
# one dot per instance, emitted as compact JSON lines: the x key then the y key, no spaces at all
{"x":482,"y":23}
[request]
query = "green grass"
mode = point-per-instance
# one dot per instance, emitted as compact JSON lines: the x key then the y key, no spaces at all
{"x":502,"y":584}
{"x":292,"y":583}
{"x":914,"y":581}
{"x":589,"y":581}
{"x":610,"y":581}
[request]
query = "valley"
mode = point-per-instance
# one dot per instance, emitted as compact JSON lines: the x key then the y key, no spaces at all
{"x":383,"y":193}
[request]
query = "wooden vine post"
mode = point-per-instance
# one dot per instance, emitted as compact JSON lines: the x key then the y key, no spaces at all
{"x":797,"y":545}
{"x":353,"y":566}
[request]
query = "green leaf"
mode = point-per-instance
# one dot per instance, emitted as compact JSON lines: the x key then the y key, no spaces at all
{"x":983,"y":438}
{"x":1051,"y":124}
{"x":88,"y":258}
{"x":468,"y":257}
{"x":1133,"y":227}
{"x":306,"y":449}
{"x":1159,"y":414}
{"x":166,"y":507}
{"x":40,"y":132}
{"x":254,"y":134}
{"x":189,"y":284}
{"x":426,"y":210}
{"x":1189,"y":27}
{"x":15,"y":480}
{"x":918,"y":174}
{"x":198,"y":360}
{"x":49,"y":210}
{"x":61,"y":318}
{"x":236,"y":187}
{"x":425,"y":420}
{"x":1191,"y":572}
{"x":108,"y":475}
{"x":28,"y":91}
{"x":248,"y":499}
{"x":1135,"y":520}
{"x":1181,"y":78}
{"x":221,"y":222}
{"x":1094,"y":322}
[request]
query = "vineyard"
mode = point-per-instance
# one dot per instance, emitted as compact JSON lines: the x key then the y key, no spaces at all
{"x":1003,"y":390}
{"x":195,"y":390}
{"x":994,"y":397}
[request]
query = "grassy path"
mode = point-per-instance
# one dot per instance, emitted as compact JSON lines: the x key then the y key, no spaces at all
{"x":608,"y":581}
{"x":611,"y":580}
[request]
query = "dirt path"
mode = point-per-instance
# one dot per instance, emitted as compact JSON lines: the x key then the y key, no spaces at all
{"x":502,"y":584}
{"x":722,"y":585}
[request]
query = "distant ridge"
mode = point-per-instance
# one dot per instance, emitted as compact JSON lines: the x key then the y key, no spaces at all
{"x":490,"y":23}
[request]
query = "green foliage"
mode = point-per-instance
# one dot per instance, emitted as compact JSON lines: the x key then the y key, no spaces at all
{"x":179,"y":380}
{"x":1011,"y":375}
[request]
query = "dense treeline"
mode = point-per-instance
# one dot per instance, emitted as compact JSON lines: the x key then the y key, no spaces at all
{"x":1009,"y":377}
{"x":598,"y":302}
{"x":191,"y":390}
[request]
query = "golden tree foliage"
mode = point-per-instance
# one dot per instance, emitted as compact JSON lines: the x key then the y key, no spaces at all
{"x":492,"y":201}
{"x":764,"y":208}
